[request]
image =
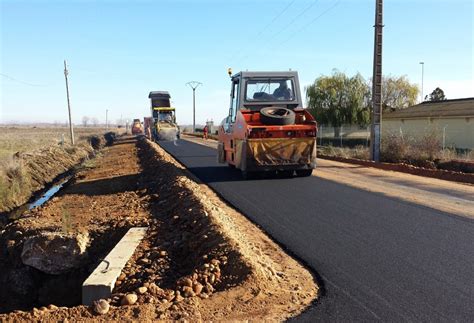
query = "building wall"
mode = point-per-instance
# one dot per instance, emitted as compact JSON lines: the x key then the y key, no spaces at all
{"x":458,"y":132}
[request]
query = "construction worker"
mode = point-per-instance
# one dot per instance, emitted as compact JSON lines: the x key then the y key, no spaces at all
{"x":205,"y":131}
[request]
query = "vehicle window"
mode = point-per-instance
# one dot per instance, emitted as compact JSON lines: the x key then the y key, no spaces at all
{"x":165,"y":116}
{"x":274,"y":89}
{"x":234,"y":103}
{"x":160,"y":103}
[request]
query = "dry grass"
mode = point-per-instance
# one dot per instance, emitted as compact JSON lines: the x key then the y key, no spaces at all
{"x":12,"y":179}
{"x":422,"y":151}
{"x":419,"y":150}
{"x":15,"y":139}
{"x":358,"y":152}
{"x":39,"y":154}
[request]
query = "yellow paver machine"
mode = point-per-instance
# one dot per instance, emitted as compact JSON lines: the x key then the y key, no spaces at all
{"x":164,"y":126}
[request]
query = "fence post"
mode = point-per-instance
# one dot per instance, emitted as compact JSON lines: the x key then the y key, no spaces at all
{"x":444,"y":136}
{"x":367,"y":137}
{"x":340,"y":135}
{"x":321,"y":136}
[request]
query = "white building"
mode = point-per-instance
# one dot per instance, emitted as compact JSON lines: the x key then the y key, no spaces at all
{"x":453,"y":120}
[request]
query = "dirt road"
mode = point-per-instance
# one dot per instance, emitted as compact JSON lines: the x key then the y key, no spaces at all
{"x":199,"y":260}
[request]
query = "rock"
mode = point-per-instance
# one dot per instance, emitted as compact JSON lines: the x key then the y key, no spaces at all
{"x":188,"y":291}
{"x":169,"y":296}
{"x":197,"y":288}
{"x":101,"y":306}
{"x":212,"y":278}
{"x":178,"y":297}
{"x":52,"y":307}
{"x":121,"y":277}
{"x":187,"y":282}
{"x":142,"y":290}
{"x":10,"y":244}
{"x":129,"y":299}
{"x":163,"y":253}
{"x":208,"y":288}
{"x":144,"y":261}
{"x":154,"y":289}
{"x":55,"y":252}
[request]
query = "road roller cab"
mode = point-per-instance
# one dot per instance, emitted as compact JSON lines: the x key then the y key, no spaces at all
{"x":267,"y":128}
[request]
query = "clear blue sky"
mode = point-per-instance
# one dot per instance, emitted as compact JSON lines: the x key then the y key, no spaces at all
{"x":118,"y":51}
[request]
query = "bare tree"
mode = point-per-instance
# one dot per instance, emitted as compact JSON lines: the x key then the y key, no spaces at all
{"x":95,"y":121}
{"x":85,"y":120}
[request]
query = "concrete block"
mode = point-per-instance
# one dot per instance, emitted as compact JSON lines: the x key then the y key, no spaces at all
{"x":102,"y":280}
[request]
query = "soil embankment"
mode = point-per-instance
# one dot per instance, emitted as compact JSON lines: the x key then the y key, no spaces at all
{"x":200,"y":258}
{"x":27,"y":173}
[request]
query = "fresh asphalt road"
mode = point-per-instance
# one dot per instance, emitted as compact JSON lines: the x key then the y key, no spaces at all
{"x":378,"y":258}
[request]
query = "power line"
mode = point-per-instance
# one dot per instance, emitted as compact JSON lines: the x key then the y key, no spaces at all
{"x":266,"y":27}
{"x":19,"y":81}
{"x":276,"y":17}
{"x":305,"y":10}
{"x":336,"y":3}
{"x":311,"y":5}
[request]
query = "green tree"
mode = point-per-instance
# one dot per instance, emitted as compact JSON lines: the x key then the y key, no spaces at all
{"x":339,"y":99}
{"x":436,"y":95}
{"x":398,"y":92}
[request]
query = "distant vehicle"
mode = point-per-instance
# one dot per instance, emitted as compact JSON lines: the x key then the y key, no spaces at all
{"x":164,"y":117}
{"x":137,"y":127}
{"x":267,"y":128}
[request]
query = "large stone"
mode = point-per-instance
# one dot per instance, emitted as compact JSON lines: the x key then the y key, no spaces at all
{"x":55,"y":252}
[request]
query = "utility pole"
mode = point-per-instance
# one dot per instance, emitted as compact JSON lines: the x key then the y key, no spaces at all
{"x":375,"y":133}
{"x":422,"y":77}
{"x":106,"y":118}
{"x":194,"y":85}
{"x":71,"y":130}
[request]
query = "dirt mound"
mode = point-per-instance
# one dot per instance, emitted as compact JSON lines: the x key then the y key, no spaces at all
{"x":200,"y":259}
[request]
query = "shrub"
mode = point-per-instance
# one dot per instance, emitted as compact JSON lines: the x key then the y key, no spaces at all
{"x":427,"y":147}
{"x":394,"y":148}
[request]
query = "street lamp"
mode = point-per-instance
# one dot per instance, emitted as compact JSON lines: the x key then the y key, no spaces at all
{"x":194,"y":85}
{"x":422,"y":77}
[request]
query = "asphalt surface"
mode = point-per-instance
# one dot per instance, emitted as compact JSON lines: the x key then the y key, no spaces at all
{"x":378,"y":258}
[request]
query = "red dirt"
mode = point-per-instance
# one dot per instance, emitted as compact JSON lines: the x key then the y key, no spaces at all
{"x":405,"y":168}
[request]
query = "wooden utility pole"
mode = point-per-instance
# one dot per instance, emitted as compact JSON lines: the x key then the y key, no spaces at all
{"x":375,"y":133}
{"x":71,"y":130}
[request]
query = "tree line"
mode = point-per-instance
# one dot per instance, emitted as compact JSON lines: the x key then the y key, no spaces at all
{"x":340,"y":99}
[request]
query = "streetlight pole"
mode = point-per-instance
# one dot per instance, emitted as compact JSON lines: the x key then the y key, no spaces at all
{"x":194,"y":85}
{"x":422,"y":78}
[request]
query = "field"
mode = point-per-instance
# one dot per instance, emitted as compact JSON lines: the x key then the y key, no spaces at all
{"x":28,"y":138}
